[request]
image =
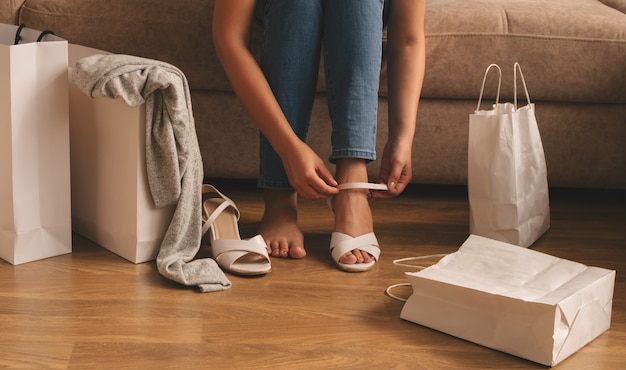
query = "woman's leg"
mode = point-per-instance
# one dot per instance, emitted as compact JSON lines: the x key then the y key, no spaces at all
{"x":290,"y":62}
{"x":353,"y":54}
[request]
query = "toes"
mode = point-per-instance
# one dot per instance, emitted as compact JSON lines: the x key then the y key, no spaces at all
{"x":359,"y":256}
{"x":274,"y":248}
{"x":348,"y":259}
{"x":268,"y":246}
{"x":282,"y":249}
{"x":367,"y":258}
{"x":356,"y":256}
{"x":297,"y":252}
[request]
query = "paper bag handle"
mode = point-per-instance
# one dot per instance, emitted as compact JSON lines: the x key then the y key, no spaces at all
{"x":517,"y":67}
{"x":482,"y":89}
{"x":43,"y":34}
{"x":18,"y":34}
{"x":401,"y":262}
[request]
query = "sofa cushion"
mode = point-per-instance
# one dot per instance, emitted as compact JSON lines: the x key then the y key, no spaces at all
{"x":9,"y":10}
{"x":571,"y":51}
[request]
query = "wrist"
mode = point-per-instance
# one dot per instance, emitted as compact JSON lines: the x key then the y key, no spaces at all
{"x":401,"y":140}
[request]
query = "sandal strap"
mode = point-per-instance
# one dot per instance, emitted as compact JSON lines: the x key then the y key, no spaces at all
{"x":341,"y":244}
{"x":229,"y":251}
{"x":214,"y":193}
{"x":214,"y":215}
{"x":356,"y":185}
{"x":362,"y":185}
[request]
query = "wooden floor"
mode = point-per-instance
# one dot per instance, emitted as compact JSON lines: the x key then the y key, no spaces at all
{"x":94,"y":310}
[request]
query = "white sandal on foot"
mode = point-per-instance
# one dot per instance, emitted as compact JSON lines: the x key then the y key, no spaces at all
{"x":220,"y":216}
{"x":341,"y":244}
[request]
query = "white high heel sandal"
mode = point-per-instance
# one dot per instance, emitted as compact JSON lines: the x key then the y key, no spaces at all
{"x":341,"y":244}
{"x":220,"y":216}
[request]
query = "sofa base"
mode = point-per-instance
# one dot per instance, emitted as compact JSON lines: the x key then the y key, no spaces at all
{"x":583,"y":143}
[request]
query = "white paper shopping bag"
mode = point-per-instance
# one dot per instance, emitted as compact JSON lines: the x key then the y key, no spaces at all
{"x":111,"y":201}
{"x":35,"y":220}
{"x":516,"y":300}
{"x":507,"y":174}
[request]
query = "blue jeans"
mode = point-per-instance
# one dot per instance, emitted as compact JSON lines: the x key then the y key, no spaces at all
{"x":350,"y":34}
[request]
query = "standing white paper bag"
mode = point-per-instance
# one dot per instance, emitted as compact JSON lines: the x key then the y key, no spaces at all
{"x":507,"y":174}
{"x":35,"y":215}
{"x":111,"y":201}
{"x":516,"y":300}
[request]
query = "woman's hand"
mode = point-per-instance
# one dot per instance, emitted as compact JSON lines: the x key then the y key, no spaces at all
{"x":308,"y":174}
{"x":395,"y":169}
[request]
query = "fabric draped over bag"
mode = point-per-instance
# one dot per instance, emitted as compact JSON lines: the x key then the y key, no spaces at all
{"x":173,"y":160}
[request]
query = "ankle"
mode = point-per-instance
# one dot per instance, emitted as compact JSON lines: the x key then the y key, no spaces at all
{"x":280,"y":198}
{"x":351,"y":170}
{"x":280,"y":205}
{"x":353,"y":215}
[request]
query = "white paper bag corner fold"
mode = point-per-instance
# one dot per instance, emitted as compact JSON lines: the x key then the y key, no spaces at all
{"x":512,"y":299}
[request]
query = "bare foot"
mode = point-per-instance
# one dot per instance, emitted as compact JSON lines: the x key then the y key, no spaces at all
{"x":279,"y":225}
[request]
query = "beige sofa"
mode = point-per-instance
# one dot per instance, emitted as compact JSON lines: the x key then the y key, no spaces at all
{"x":573,"y":54}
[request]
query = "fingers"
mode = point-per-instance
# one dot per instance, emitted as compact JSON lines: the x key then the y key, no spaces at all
{"x":395,"y":189}
{"x":309,"y":176}
{"x":317,"y":187}
{"x":319,"y":190}
{"x":324,"y":184}
{"x":396,"y":184}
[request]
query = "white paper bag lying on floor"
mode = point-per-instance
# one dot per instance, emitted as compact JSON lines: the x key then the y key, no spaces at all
{"x":523,"y":302}
{"x":111,"y":201}
{"x":34,"y":146}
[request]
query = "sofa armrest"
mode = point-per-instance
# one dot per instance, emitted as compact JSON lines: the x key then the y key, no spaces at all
{"x":9,"y":10}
